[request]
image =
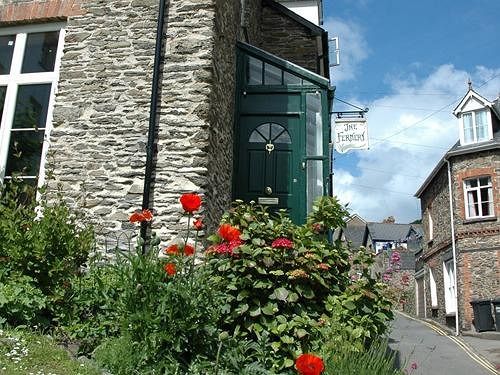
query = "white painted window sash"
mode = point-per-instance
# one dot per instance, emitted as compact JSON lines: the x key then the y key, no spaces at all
{"x":15,"y":79}
{"x":470,"y":202}
{"x":489,"y":129}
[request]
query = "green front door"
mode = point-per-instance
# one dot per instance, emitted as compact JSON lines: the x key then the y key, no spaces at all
{"x":269,"y":164}
{"x":281,"y":133}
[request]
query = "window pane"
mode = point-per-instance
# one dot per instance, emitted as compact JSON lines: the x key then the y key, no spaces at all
{"x":471,"y":183}
{"x":481,"y":126}
{"x":254,"y":74}
{"x":473,"y":203}
{"x":291,"y":79}
{"x":40,"y":52}
{"x":272,"y":75}
{"x":468,"y":130}
{"x":25,"y":152}
{"x":3,"y":90}
{"x":31,"y":106}
{"x":314,"y":182}
{"x":484,"y":181}
{"x":314,"y":125}
{"x":256,"y":137}
{"x":6,"y":50}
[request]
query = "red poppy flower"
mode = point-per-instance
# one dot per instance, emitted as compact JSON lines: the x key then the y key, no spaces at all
{"x":229,"y":233}
{"x":309,"y":364}
{"x":188,"y":250}
{"x":283,"y":243}
{"x":170,"y":269}
{"x":190,"y":202}
{"x":172,"y":250}
{"x":139,"y":217}
{"x":198,"y":224}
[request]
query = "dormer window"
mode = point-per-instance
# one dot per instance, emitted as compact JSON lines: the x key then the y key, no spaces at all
{"x":474,"y":114}
{"x":475,"y":127}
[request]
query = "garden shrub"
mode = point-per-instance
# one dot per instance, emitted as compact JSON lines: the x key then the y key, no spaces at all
{"x":362,"y":312}
{"x":278,"y":277}
{"x":43,"y":241}
{"x":91,"y":312}
{"x":21,"y":303}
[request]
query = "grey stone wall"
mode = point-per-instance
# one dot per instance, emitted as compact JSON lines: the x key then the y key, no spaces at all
{"x":477,"y":241}
{"x":97,"y":152}
{"x":435,"y":200}
{"x":289,"y":40}
{"x":222,"y":110}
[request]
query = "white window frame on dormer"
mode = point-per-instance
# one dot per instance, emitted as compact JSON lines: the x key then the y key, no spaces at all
{"x":471,"y":193}
{"x":15,"y":78}
{"x":474,"y":127}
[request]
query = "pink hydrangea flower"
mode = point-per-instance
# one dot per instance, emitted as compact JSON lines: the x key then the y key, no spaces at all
{"x":283,"y":243}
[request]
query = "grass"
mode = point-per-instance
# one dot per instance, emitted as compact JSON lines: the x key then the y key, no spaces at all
{"x":34,"y":354}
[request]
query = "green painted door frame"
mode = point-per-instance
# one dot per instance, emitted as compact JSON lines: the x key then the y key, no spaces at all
{"x":281,"y":133}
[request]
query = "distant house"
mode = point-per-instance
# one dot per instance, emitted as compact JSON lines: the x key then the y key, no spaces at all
{"x":460,"y":203}
{"x":386,"y":236}
{"x":379,"y":236}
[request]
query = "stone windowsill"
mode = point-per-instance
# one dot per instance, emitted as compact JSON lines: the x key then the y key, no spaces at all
{"x":479,"y":220}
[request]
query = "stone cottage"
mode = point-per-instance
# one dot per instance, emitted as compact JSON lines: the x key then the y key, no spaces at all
{"x":460,"y":202}
{"x":126,"y":104}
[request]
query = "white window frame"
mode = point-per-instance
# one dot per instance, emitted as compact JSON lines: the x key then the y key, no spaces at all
{"x":474,"y":127}
{"x":430,"y":225}
{"x":491,"y":200}
{"x":15,"y":78}
{"x":450,"y":290}
{"x":433,"y":288}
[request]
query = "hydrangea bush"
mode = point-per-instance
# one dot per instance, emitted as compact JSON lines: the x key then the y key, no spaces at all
{"x":278,"y":276}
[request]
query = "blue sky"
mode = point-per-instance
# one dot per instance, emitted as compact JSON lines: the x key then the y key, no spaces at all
{"x":408,"y":62}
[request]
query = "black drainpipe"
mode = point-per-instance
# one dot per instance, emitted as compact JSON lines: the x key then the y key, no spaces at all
{"x":152,"y":118}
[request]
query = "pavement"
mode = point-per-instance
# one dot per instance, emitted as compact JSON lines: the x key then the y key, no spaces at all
{"x":424,"y":347}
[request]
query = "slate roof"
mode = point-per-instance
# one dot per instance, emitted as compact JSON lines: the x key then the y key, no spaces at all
{"x":388,"y":231}
{"x":457,"y":149}
{"x":356,"y":234}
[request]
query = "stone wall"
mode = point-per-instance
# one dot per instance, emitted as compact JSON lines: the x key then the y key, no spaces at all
{"x":289,"y":40}
{"x":222,"y":110}
{"x":97,"y":152}
{"x":477,"y":241}
{"x":435,"y":200}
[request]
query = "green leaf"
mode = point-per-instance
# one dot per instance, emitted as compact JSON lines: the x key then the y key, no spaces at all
{"x":288,"y":362}
{"x":300,"y":332}
{"x":293,"y":297}
{"x":277,"y":273}
{"x":255,"y":312}
{"x":275,"y":345}
{"x":287,"y":339}
{"x":270,"y":309}
{"x":349,"y":305}
{"x":280,"y":294}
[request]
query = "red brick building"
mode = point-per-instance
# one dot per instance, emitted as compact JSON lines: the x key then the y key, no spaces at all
{"x":461,"y":252}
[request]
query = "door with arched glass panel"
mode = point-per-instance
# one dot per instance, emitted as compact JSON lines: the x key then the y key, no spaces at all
{"x":269,"y":162}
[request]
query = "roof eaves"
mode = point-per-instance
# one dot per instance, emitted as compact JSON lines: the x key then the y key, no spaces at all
{"x":457,"y":150}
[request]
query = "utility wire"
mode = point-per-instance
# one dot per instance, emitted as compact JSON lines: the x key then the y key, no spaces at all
{"x":377,"y":188}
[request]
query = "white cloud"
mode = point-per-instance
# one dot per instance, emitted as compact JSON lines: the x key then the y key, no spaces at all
{"x":353,"y":47}
{"x":410,"y":130}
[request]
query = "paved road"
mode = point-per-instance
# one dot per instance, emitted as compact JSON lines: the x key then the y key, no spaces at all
{"x":434,"y":351}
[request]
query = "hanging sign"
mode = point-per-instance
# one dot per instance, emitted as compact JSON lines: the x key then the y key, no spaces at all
{"x":350,"y":134}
